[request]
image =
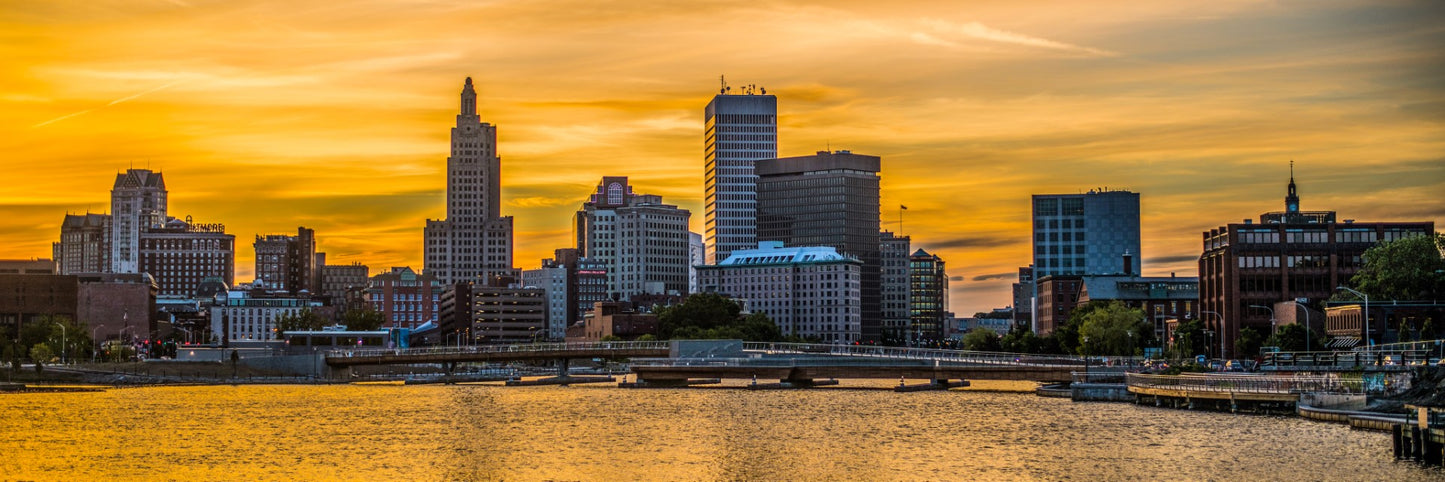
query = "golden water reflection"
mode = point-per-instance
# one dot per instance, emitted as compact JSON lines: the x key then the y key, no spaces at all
{"x":601,"y":433}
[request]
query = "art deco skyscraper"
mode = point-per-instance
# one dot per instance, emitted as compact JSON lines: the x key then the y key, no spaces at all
{"x":474,"y":242}
{"x":739,"y":130}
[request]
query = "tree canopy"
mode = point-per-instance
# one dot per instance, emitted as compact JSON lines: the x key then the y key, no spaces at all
{"x":712,"y":316}
{"x":303,"y":320}
{"x":1410,"y":268}
{"x":1291,"y":337}
{"x":363,"y":319}
{"x":982,"y":339}
{"x":1114,"y":329}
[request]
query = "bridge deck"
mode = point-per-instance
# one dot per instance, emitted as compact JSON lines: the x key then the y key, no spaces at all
{"x":852,"y":370}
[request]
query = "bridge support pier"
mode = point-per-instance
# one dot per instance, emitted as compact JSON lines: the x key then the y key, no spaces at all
{"x":935,"y":384}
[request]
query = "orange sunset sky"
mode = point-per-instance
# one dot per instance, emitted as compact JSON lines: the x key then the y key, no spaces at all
{"x":266,"y":115}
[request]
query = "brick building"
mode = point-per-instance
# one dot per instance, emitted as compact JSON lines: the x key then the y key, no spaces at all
{"x":1289,"y":255}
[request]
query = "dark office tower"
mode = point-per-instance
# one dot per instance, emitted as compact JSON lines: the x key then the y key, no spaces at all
{"x":739,"y":130}
{"x":894,"y":251}
{"x":474,"y":242}
{"x":929,"y":293}
{"x":287,"y":263}
{"x":827,"y":199}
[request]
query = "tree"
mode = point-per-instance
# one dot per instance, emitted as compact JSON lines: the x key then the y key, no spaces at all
{"x":41,"y":354}
{"x":1188,"y":339}
{"x":11,"y":355}
{"x":1067,"y":333}
{"x":1019,"y":340}
{"x":1114,"y":329}
{"x":304,"y":320}
{"x":1291,"y":337}
{"x":712,"y":316}
{"x":1248,"y":342}
{"x":698,"y":313}
{"x":363,"y":319}
{"x":61,"y":334}
{"x":981,"y":339}
{"x":1403,"y":269}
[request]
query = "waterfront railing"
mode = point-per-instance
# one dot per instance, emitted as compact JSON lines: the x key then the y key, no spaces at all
{"x":1246,"y":383}
{"x":1400,"y":356}
{"x":921,"y":354}
{"x":508,"y":349}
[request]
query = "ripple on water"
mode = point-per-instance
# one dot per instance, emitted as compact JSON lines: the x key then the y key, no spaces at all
{"x":596,"y":433}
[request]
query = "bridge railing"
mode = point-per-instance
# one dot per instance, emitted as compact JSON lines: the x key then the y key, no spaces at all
{"x":1399,"y":357}
{"x":1437,"y":346}
{"x":927,"y":354}
{"x":1245,"y":383}
{"x":501,"y":349}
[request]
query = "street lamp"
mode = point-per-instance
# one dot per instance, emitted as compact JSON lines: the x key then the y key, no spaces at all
{"x":93,"y":351}
{"x":121,"y":338}
{"x":1221,"y":330}
{"x":1271,"y":316}
{"x":1308,"y":332}
{"x":1208,"y":340}
{"x":62,"y":342}
{"x":1366,"y":317}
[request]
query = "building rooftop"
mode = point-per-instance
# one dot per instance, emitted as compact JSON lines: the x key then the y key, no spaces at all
{"x":773,"y":252}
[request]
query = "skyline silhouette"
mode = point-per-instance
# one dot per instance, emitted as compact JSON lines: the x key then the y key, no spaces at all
{"x":327,"y":117}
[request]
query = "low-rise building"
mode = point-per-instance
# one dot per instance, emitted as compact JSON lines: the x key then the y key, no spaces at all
{"x":613,"y":319}
{"x":117,"y":304}
{"x":405,"y":298}
{"x":812,"y":291}
{"x":249,"y":316}
{"x":473,"y":314}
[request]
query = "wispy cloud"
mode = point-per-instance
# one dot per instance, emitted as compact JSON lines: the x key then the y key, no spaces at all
{"x":979,"y":31}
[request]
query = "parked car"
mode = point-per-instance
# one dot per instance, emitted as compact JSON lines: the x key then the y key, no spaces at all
{"x":1239,"y":366}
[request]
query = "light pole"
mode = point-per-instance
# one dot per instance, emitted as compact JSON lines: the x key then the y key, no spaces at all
{"x":121,"y":338}
{"x":1271,"y":316}
{"x":1308,"y":332}
{"x":62,"y":342}
{"x":1220,"y":330}
{"x":1366,"y":317}
{"x":93,"y":351}
{"x":1208,"y":340}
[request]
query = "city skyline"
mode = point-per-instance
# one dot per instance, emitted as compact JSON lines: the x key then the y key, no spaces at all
{"x":265,"y":120}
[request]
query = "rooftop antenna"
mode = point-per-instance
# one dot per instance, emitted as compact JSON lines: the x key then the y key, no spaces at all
{"x":723,"y":79}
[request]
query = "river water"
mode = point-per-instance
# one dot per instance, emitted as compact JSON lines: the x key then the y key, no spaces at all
{"x":349,"y":432}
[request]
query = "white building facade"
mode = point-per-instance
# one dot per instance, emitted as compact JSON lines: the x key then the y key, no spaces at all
{"x":240,"y":317}
{"x":552,"y":279}
{"x":812,"y":292}
{"x":642,"y":242}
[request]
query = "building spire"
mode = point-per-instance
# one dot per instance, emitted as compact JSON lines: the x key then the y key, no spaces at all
{"x":469,"y":99}
{"x":1291,"y":201}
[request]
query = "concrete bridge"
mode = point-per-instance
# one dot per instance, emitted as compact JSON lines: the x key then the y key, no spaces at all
{"x":681,"y":362}
{"x":499,"y":353}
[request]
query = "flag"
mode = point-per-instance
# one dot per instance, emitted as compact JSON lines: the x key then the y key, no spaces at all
{"x":900,"y":206}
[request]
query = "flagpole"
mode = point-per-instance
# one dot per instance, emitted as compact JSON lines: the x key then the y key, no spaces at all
{"x":901,"y":208}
